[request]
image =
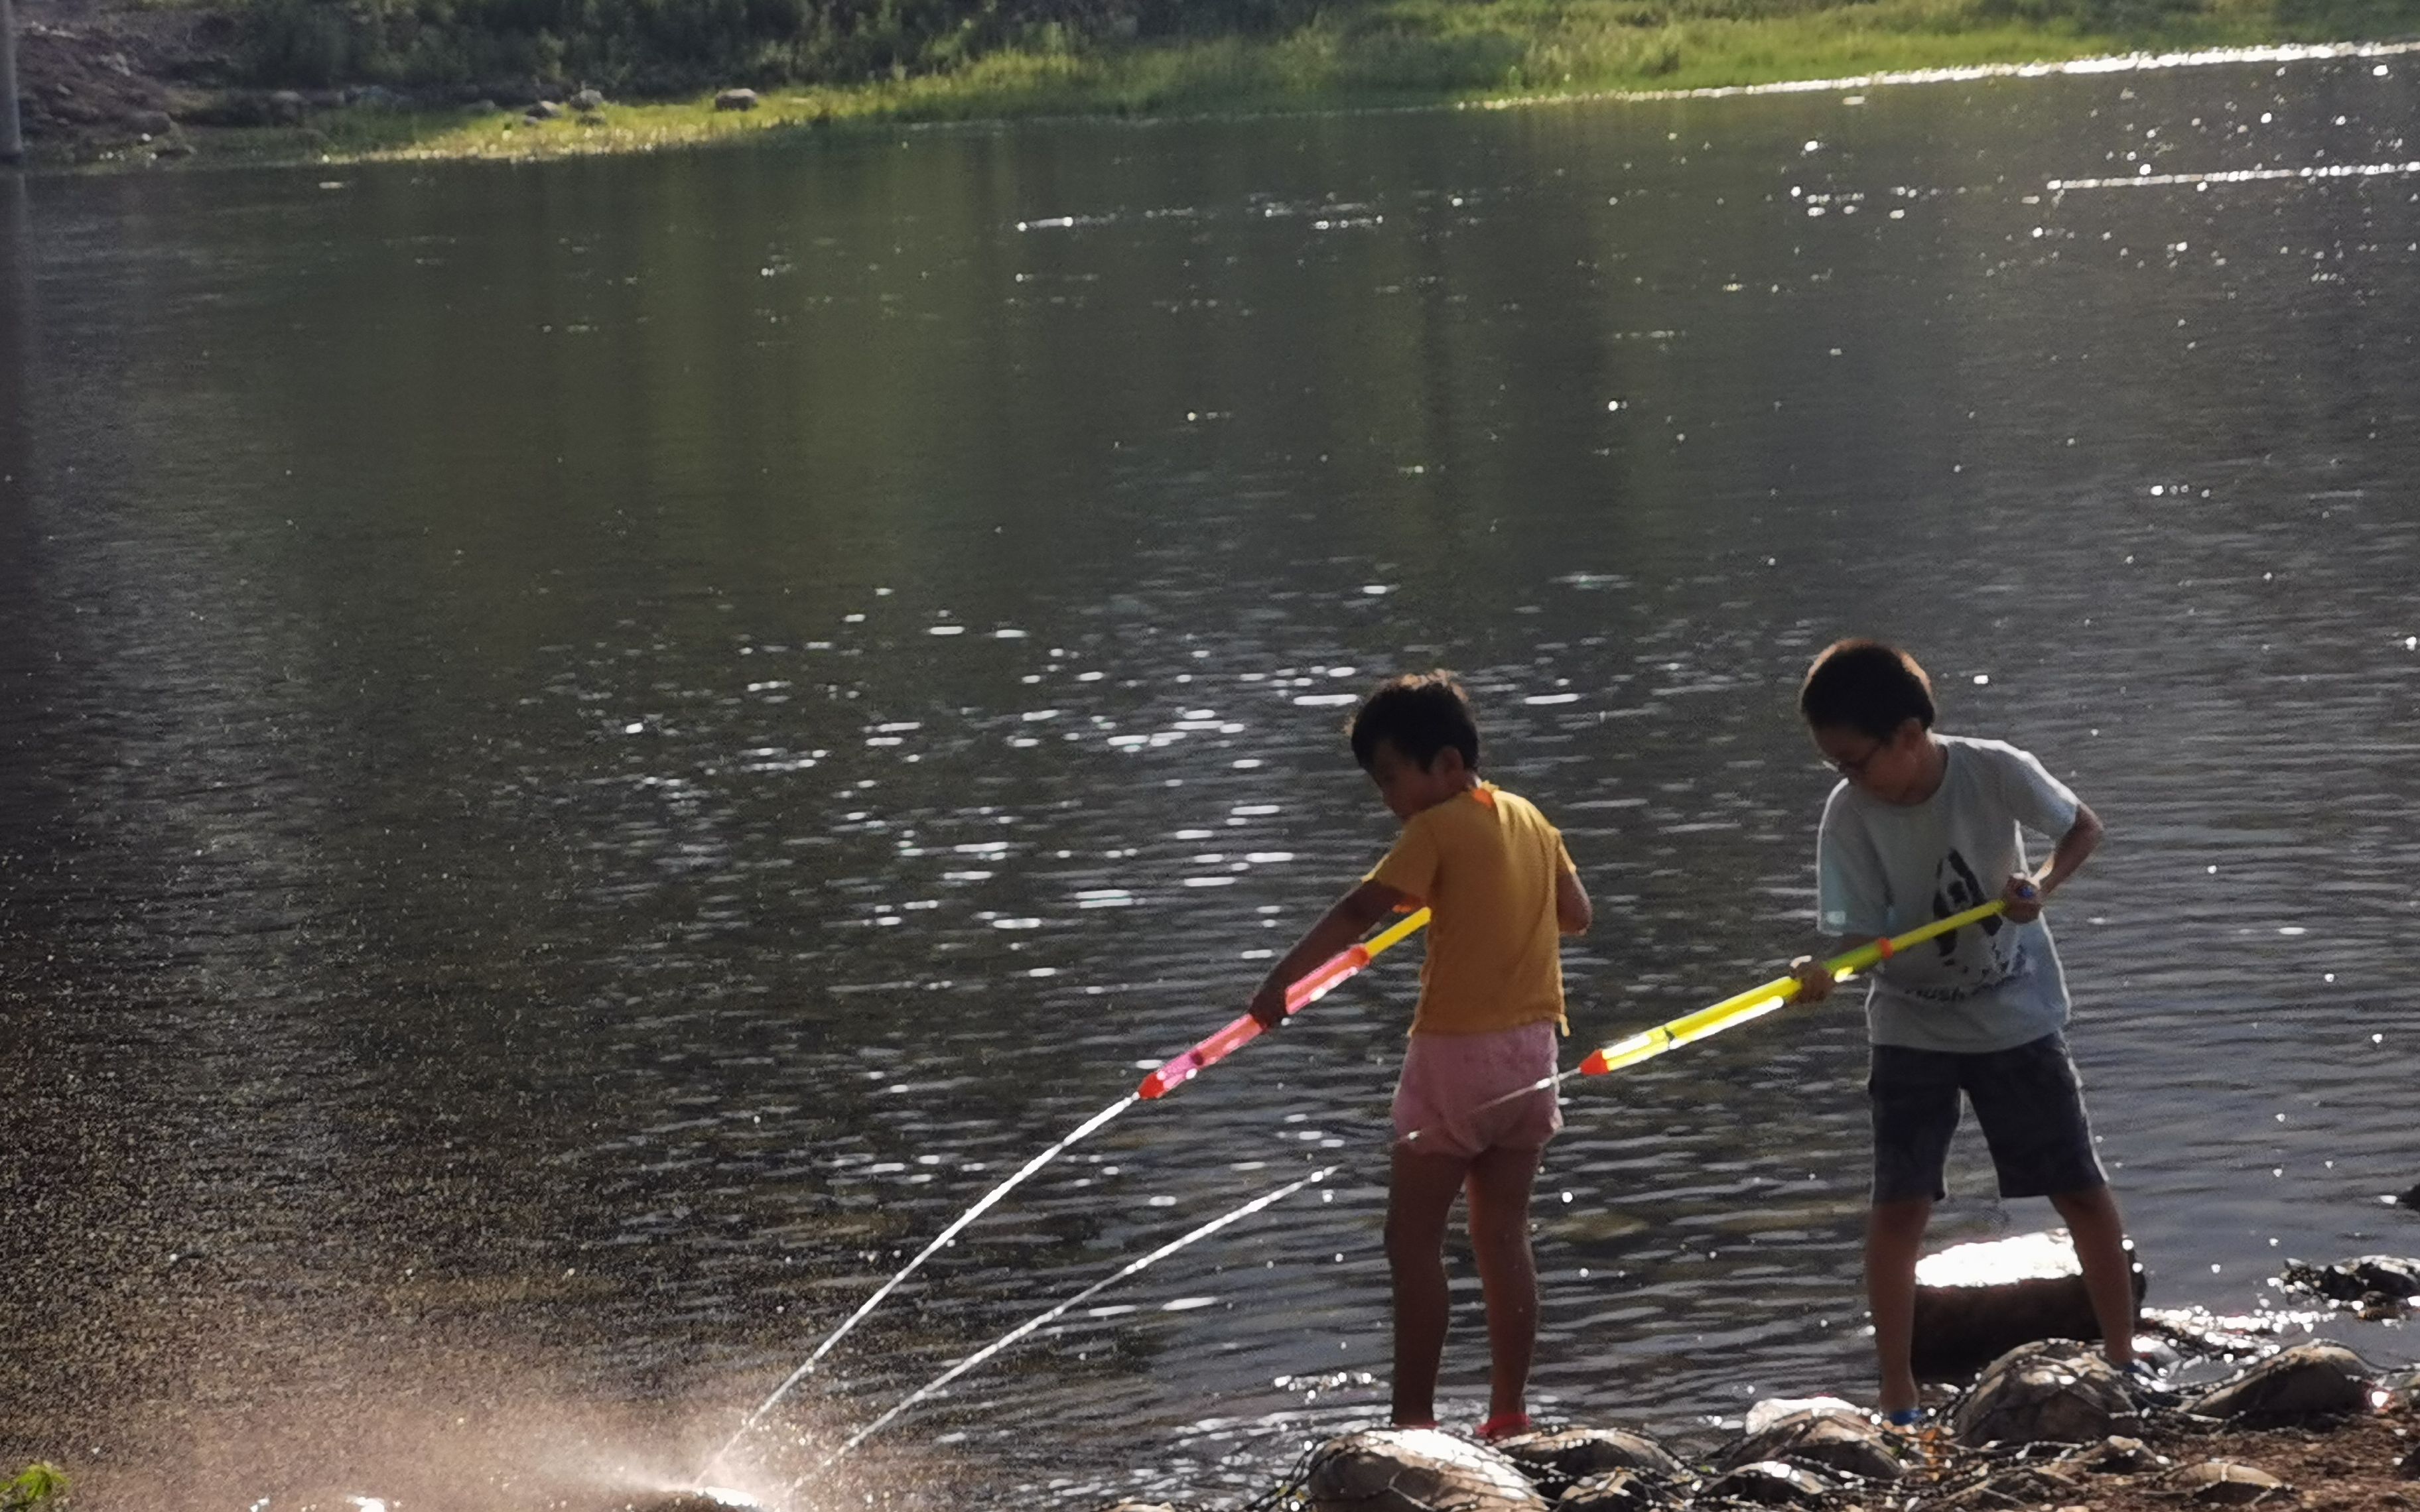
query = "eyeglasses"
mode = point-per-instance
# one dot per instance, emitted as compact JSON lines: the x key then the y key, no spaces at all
{"x":1856,"y":767}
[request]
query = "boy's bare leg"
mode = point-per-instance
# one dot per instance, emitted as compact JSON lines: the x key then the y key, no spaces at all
{"x":1499,"y":1187}
{"x":1418,"y":1203}
{"x":2100,"y":1234}
{"x":1894,"y":1233}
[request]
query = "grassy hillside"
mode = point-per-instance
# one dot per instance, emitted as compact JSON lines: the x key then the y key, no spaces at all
{"x":1153,"y":55}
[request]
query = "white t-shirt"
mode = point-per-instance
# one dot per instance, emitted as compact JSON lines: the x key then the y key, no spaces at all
{"x":1885,"y":867}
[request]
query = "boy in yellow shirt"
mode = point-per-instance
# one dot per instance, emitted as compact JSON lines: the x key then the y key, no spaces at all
{"x":1476,"y":1103}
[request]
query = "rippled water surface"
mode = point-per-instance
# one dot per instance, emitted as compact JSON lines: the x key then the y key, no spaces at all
{"x":591,"y":752}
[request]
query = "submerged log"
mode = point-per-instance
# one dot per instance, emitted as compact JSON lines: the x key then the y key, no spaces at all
{"x":1974,"y":1302}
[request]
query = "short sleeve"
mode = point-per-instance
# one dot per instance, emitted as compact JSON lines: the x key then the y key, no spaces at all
{"x":1411,"y":866}
{"x":2041,"y":802}
{"x":1852,"y":899}
{"x":1563,"y":856}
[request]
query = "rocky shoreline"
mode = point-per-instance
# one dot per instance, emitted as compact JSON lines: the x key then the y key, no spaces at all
{"x":102,"y":83}
{"x":2048,"y":1425}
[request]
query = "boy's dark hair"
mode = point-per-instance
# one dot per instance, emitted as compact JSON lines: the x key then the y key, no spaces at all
{"x":1867,"y":686}
{"x":1419,"y":714}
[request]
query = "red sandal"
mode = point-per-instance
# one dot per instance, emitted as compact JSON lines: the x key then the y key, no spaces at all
{"x":1503,"y":1426}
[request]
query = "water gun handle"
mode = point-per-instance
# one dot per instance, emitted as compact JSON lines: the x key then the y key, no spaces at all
{"x":1307,"y":989}
{"x":1244,"y":1030}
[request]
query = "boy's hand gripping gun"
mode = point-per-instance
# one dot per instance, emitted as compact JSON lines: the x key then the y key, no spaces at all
{"x":1757,"y":1001}
{"x":1308,"y":989}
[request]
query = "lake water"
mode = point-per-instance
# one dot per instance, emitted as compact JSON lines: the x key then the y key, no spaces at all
{"x":591,"y":751}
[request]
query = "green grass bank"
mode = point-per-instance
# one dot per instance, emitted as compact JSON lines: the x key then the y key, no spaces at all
{"x":1271,"y":58}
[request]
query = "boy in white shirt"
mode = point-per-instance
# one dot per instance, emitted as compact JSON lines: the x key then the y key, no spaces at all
{"x":1921,"y":826}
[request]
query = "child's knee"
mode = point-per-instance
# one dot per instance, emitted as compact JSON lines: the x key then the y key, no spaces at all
{"x":1907,"y":1218}
{"x":2087,"y":1203}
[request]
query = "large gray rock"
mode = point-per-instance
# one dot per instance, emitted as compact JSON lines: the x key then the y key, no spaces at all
{"x":1827,"y":1438}
{"x":1977,"y":1302}
{"x":1557,"y":1460}
{"x":735,"y":100}
{"x":2054,"y":1392}
{"x":1415,"y":1469}
{"x":2224,"y":1483}
{"x":2305,"y":1383}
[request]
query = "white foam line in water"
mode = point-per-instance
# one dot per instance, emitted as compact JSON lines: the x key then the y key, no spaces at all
{"x":1232,"y":1215}
{"x":2121,"y":63}
{"x":988,"y":1201}
{"x":2237,"y":176}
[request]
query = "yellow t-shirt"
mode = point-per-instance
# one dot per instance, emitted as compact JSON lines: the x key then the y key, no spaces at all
{"x":1486,"y":864}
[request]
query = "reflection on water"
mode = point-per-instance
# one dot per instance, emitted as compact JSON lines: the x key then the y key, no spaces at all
{"x":591,"y":753}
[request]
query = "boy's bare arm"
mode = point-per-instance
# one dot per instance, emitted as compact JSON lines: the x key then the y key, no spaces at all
{"x":2025,"y":895}
{"x":1346,"y":920}
{"x":1573,"y":914}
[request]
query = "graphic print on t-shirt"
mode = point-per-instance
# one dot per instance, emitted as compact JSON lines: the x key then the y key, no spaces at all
{"x":1955,"y":890}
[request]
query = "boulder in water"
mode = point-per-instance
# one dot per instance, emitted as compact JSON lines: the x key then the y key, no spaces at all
{"x":2378,"y":1282}
{"x":2308,"y":1382}
{"x":2054,"y":1392}
{"x":1975,"y":1302}
{"x":1414,"y":1469}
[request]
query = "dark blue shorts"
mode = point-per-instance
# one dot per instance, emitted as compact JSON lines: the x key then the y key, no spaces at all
{"x":2027,"y":1098}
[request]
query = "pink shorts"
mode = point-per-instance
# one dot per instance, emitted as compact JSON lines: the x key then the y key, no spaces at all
{"x":1462,"y":1094}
